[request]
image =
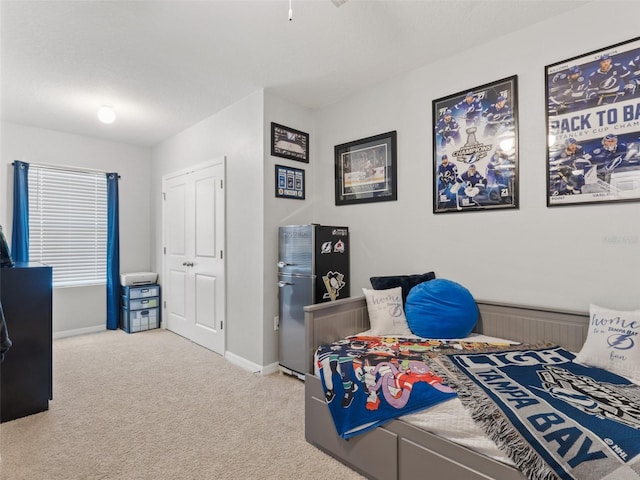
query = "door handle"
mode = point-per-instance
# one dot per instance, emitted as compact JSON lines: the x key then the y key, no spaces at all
{"x":282,"y":284}
{"x":187,"y":264}
{"x":282,"y":264}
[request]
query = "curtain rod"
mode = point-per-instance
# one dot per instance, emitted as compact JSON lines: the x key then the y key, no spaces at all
{"x":67,"y":168}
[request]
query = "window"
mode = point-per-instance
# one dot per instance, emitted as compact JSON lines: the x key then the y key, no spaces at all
{"x":68,"y":224}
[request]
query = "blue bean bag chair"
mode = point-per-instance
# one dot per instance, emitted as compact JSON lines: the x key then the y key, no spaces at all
{"x":441,"y":308}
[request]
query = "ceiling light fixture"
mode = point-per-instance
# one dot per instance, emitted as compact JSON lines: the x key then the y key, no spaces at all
{"x":290,"y":11}
{"x":106,"y":114}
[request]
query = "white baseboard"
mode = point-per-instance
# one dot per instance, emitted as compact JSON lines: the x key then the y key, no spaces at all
{"x":79,"y":331}
{"x":250,"y":366}
{"x":269,"y":369}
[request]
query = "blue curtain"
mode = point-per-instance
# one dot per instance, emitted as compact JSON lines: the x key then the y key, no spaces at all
{"x":113,"y":252}
{"x":20,"y":231}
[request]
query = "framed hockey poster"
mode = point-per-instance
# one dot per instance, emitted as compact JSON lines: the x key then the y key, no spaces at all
{"x":365,"y":170}
{"x":289,"y":143}
{"x":593,"y":127}
{"x":289,"y":182}
{"x":475,"y":149}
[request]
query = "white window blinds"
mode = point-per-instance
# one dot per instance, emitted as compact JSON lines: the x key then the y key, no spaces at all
{"x":68,"y":224}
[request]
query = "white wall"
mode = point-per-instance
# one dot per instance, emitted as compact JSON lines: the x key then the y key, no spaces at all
{"x":560,"y":257}
{"x":78,"y":309}
{"x":282,"y":211}
{"x":236,"y":133}
{"x":242,"y":132}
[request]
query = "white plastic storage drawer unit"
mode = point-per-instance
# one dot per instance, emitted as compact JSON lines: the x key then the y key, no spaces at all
{"x":142,"y":292}
{"x":140,"y":303}
{"x":140,"y":320}
{"x":140,"y":308}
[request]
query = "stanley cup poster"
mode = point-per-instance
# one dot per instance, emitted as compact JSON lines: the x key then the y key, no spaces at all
{"x":593,"y":127}
{"x":475,"y":148}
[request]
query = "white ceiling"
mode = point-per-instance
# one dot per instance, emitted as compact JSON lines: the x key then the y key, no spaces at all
{"x":165,"y":65}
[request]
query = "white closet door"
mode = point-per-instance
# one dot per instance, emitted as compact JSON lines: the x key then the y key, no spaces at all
{"x":194,"y":264}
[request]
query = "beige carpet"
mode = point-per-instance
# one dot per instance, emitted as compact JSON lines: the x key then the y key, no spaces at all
{"x":153,"y":405}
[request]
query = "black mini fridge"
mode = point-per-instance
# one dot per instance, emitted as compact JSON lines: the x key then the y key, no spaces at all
{"x":313,"y":267}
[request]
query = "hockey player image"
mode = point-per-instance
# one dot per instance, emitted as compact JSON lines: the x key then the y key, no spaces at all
{"x":568,"y":90}
{"x":448,"y":129}
{"x":497,"y":115}
{"x":471,"y":106}
{"x":500,"y":175}
{"x":609,"y":157}
{"x":473,"y":181}
{"x":447,"y":174}
{"x":567,"y":169}
{"x":571,"y":155}
{"x":560,"y":183}
{"x":468,"y":187}
{"x":500,"y":169}
{"x":610,"y":82}
{"x":634,"y":66}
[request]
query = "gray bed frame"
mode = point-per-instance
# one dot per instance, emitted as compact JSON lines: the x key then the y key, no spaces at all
{"x":400,"y":451}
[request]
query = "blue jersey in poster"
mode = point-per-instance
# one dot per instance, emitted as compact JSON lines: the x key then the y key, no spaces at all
{"x":611,"y":157}
{"x":610,"y":81}
{"x":568,"y":88}
{"x":500,"y":169}
{"x":497,"y":115}
{"x":471,"y":108}
{"x":447,"y":173}
{"x":448,"y":129}
{"x":472,"y":178}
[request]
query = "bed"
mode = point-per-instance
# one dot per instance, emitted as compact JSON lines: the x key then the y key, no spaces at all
{"x":399,"y":450}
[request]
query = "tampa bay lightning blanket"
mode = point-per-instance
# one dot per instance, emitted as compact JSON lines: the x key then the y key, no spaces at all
{"x":553,"y":417}
{"x":369,"y":381}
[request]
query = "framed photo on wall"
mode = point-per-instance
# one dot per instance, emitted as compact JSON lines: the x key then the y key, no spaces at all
{"x":290,"y":182}
{"x":365,"y":170}
{"x":289,"y":143}
{"x":475,"y":148}
{"x":593,"y":127}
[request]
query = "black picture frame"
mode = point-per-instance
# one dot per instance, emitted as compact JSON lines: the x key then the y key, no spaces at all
{"x":289,"y":182}
{"x":287,"y":142}
{"x":593,"y":127}
{"x":475,"y":148}
{"x":365,"y":170}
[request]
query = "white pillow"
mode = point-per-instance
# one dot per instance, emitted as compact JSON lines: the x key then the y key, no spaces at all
{"x":613,"y":341}
{"x":386,"y":314}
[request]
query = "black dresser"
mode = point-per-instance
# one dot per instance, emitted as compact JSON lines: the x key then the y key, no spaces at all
{"x":26,"y":383}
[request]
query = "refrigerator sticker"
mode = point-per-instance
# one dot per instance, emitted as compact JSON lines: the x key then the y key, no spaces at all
{"x":333,"y":282}
{"x":326,"y":247}
{"x":339,"y":247}
{"x":339,"y":231}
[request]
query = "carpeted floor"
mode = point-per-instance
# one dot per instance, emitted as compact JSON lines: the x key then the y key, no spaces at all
{"x":153,"y":405}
